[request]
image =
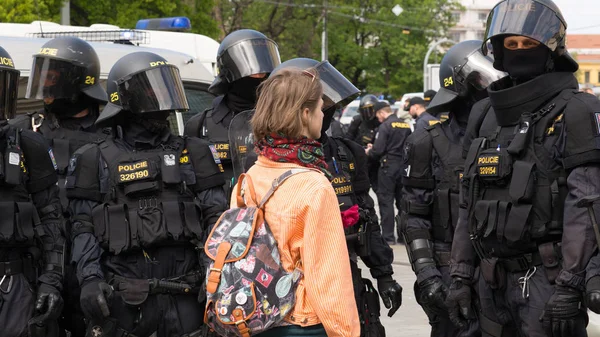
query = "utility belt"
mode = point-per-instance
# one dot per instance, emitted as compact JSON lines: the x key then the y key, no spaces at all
{"x":147,"y":222}
{"x":549,"y":255}
{"x":136,"y":291}
{"x":24,"y":265}
{"x":358,"y":237}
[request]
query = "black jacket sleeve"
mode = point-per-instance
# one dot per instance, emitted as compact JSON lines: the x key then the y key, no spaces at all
{"x":87,"y":180}
{"x":382,"y":256}
{"x":45,"y":196}
{"x":353,"y":132}
{"x":380,"y":144}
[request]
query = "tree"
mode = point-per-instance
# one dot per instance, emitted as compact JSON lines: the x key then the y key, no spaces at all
{"x":85,"y":13}
{"x":366,"y":40}
{"x":26,"y":11}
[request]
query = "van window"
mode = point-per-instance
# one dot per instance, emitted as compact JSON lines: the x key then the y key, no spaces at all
{"x":199,"y":100}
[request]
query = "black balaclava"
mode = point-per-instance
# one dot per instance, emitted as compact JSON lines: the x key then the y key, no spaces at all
{"x":154,"y":122}
{"x":525,"y":64}
{"x":65,"y":108}
{"x":462,"y":105}
{"x":242,"y":94}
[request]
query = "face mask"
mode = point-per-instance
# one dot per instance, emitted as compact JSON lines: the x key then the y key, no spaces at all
{"x":245,"y":88}
{"x":155,"y":122}
{"x":65,"y":108}
{"x":526,"y":63}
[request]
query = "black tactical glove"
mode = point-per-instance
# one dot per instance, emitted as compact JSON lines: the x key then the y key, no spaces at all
{"x":391,"y":293}
{"x":49,"y":303}
{"x":95,"y":297}
{"x":562,"y":316}
{"x":432,"y":295}
{"x":592,"y":298}
{"x":459,"y":303}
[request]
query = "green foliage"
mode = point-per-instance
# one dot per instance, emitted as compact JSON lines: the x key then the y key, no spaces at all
{"x":366,"y":39}
{"x":25,"y":11}
{"x":125,"y":15}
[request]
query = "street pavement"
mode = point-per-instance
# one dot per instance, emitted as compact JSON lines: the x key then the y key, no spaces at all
{"x":410,"y":320}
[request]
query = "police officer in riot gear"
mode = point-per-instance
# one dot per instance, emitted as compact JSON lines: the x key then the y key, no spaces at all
{"x":32,"y":234}
{"x":362,"y":130}
{"x":142,"y":201}
{"x":244,"y":59}
{"x":66,"y":75}
{"x":532,"y":157}
{"x":434,"y":165}
{"x":387,"y":153}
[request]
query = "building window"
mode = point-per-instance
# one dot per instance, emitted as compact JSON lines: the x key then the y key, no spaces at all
{"x":587,"y":77}
{"x":456,"y":37}
{"x":483,"y":16}
{"x":456,"y":17}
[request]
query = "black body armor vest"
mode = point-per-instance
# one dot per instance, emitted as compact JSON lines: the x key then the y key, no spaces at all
{"x":448,"y":171}
{"x":148,"y":202}
{"x":19,"y":218}
{"x":516,"y":186}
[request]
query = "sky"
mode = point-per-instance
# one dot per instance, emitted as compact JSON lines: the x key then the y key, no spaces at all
{"x":580,"y":14}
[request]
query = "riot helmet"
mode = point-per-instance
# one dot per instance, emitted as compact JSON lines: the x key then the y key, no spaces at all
{"x":144,"y":83}
{"x":64,"y":73}
{"x":9,"y":86}
{"x":540,"y":20}
{"x":337,"y":90}
{"x":366,"y":107}
{"x":241,"y":54}
{"x":464,"y":70}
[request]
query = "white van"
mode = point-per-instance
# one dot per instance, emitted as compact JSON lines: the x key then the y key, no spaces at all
{"x":203,"y":49}
{"x":196,"y":78}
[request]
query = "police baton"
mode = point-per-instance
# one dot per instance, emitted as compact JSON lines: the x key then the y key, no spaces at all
{"x":589,"y":203}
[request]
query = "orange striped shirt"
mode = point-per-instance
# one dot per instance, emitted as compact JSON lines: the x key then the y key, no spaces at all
{"x":304,"y":217}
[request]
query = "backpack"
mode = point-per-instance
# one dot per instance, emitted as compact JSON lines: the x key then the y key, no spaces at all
{"x":248,"y":291}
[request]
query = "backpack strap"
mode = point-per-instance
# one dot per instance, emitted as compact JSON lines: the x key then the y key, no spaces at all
{"x":238,"y":191}
{"x":277,"y":182}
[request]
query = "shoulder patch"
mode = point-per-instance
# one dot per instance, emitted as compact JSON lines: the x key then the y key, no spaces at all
{"x":433,"y":122}
{"x":51,"y":154}
{"x":216,"y":157}
{"x":597,"y":119}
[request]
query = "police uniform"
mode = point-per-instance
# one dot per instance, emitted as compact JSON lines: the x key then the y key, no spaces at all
{"x":388,"y":151}
{"x":362,"y":132}
{"x":69,"y":57}
{"x":241,"y":55}
{"x":434,"y":167}
{"x":424,"y":121}
{"x":32,"y":237}
{"x":524,"y":175}
{"x":346,"y":161}
{"x":142,"y":204}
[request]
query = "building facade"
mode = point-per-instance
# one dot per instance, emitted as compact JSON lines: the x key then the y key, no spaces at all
{"x":585,"y":48}
{"x":471,"y":22}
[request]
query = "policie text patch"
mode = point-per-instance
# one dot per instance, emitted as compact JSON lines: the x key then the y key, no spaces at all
{"x":133,"y":171}
{"x":487,"y":165}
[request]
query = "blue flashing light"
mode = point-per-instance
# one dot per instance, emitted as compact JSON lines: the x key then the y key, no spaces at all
{"x":180,"y":23}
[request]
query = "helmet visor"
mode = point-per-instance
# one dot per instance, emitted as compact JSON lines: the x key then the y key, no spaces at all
{"x":157,"y":89}
{"x":479,"y":71}
{"x":336,"y":88}
{"x":249,"y":57}
{"x":367,"y":112}
{"x":9,"y":86}
{"x":526,"y":18}
{"x":52,"y":78}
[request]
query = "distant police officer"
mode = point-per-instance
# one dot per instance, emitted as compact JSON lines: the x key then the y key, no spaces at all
{"x":141,"y":204}
{"x":362,"y":130}
{"x":387,"y":151}
{"x":532,"y":163}
{"x":417,"y":107}
{"x":245,"y":59}
{"x":66,"y":76}
{"x":428,"y":96}
{"x":32,"y":238}
{"x":347,"y":163}
{"x":434,"y":165}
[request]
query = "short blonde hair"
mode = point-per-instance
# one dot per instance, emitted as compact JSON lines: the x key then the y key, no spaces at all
{"x":281,"y":100}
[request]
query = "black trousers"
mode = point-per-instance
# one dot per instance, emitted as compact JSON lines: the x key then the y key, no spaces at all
{"x":17,"y":300}
{"x":389,"y":193}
